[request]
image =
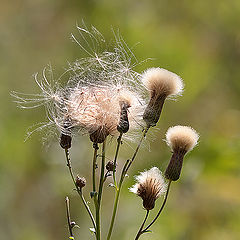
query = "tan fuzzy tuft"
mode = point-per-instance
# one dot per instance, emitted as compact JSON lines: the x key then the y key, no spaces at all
{"x":160,"y":81}
{"x":182,"y":137}
{"x":150,"y":186}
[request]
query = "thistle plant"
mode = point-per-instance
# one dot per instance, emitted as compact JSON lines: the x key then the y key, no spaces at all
{"x":105,"y":98}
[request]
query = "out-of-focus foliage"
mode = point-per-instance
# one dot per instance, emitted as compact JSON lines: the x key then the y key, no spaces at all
{"x":200,"y":41}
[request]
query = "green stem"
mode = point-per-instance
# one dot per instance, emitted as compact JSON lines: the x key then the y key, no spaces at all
{"x":116,"y":201}
{"x":79,"y":191}
{"x":68,"y":217}
{"x":102,"y":174}
{"x":123,"y":174}
{"x":95,"y":146}
{"x":100,"y":189}
{"x":140,"y":230}
{"x":160,"y":210}
{"x":138,"y":147}
{"x":115,"y":160}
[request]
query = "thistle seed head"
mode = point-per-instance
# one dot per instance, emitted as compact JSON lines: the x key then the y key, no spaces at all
{"x":181,"y":137}
{"x":160,"y":83}
{"x":103,"y":94}
{"x":181,"y":140}
{"x":150,"y":186}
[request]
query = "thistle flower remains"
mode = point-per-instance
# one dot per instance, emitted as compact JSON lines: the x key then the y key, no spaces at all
{"x":150,"y":186}
{"x":160,"y":83}
{"x":181,"y":139}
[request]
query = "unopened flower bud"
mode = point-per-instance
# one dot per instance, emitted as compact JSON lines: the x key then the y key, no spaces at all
{"x":65,"y":141}
{"x":181,"y":140}
{"x":110,"y":166}
{"x":160,"y":83}
{"x":123,"y":125}
{"x":80,"y":182}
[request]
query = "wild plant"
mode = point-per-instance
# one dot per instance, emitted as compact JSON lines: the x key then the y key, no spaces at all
{"x":104,"y":98}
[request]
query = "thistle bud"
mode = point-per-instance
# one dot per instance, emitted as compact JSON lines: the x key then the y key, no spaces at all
{"x":80,"y":182}
{"x":123,"y":125}
{"x":160,"y":83}
{"x":150,"y":186}
{"x":65,"y":141}
{"x":110,"y":166}
{"x":181,"y":140}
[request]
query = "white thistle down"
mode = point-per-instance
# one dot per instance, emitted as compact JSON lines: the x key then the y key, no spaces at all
{"x":91,"y":97}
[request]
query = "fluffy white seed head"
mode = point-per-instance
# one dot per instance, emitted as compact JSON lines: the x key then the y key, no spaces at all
{"x":150,"y":186}
{"x":98,"y":107}
{"x":181,"y":137}
{"x":160,"y":81}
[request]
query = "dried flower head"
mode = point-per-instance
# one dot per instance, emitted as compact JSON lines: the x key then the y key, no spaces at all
{"x":150,"y":186}
{"x":103,"y":95}
{"x":99,"y":109}
{"x":161,"y":84}
{"x":181,"y":137}
{"x":181,"y":140}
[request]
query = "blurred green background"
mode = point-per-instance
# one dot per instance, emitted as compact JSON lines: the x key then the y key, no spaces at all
{"x":199,"y":40}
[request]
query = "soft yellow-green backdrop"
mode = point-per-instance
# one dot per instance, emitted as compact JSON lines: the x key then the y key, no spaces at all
{"x":199,"y":40}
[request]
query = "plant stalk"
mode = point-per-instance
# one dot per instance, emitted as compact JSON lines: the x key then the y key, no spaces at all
{"x":115,"y":160}
{"x":123,"y":174}
{"x":140,"y":229}
{"x":79,"y":191}
{"x":160,"y":210}
{"x":99,"y":196}
{"x":69,"y":218}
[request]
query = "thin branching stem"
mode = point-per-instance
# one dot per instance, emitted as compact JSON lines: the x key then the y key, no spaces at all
{"x":95,"y":146}
{"x":69,"y":218}
{"x":79,"y":191}
{"x":138,"y":147}
{"x":100,"y":189}
{"x":123,"y":174}
{"x":116,"y":203}
{"x":140,"y":229}
{"x":160,"y":210}
{"x":102,"y":173}
{"x":115,"y":160}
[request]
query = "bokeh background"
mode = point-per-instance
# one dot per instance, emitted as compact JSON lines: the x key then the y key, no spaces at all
{"x":199,"y":40}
